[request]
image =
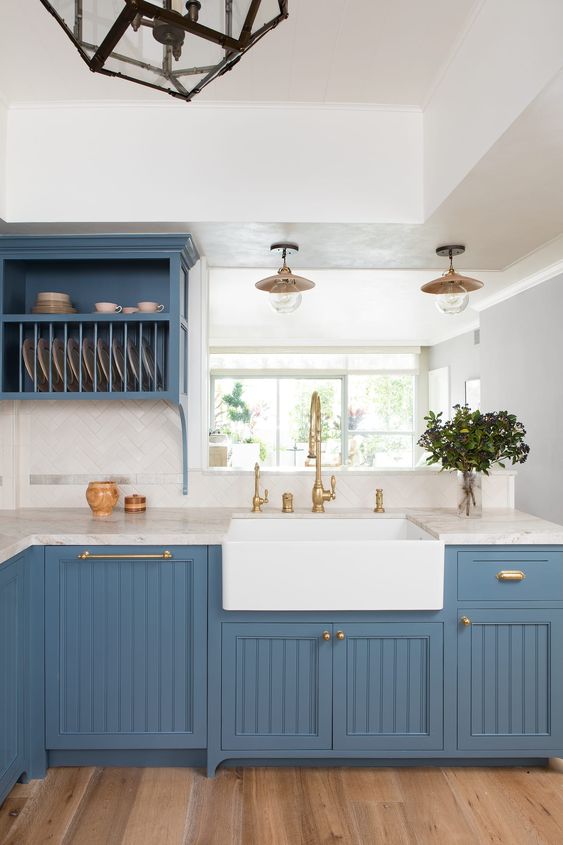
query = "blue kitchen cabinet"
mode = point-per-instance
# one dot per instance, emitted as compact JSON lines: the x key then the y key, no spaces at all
{"x":276,"y":686}
{"x":510,"y":675}
{"x":366,"y":686}
{"x":388,"y":686}
{"x":126,"y":648}
{"x":148,"y":350}
{"x":90,"y":355}
{"x":12,"y":673}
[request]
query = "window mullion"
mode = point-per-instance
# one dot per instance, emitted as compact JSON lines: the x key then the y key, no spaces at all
{"x":278,"y":405}
{"x":344,"y":421}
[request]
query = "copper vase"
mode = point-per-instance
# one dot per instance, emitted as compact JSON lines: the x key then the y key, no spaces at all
{"x":102,"y":497}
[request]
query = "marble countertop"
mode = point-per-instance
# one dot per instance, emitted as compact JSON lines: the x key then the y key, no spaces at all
{"x":164,"y":527}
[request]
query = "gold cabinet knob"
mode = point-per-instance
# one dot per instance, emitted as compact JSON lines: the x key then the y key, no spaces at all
{"x":340,"y":635}
{"x":465,"y":620}
{"x":326,"y":635}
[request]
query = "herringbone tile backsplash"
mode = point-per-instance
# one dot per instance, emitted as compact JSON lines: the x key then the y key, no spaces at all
{"x":50,"y":450}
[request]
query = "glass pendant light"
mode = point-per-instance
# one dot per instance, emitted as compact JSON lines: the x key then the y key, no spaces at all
{"x":284,"y":288}
{"x":170,"y":45}
{"x":453,"y":299}
{"x":452,"y":289}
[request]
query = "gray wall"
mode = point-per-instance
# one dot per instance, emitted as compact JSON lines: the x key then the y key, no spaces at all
{"x":522,"y":372}
{"x":461,"y":355}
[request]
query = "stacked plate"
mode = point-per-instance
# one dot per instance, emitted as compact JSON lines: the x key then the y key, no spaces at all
{"x":49,"y":302}
{"x":46,"y":363}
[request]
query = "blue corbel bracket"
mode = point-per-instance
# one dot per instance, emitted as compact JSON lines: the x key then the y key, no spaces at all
{"x":184,"y":435}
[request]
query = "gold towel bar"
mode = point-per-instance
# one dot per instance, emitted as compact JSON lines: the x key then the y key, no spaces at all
{"x":166,"y":555}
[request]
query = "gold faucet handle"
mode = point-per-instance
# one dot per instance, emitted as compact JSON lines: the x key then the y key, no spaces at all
{"x":333,"y":487}
{"x":265,"y":500}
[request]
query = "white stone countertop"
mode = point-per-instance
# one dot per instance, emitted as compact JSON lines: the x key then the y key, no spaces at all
{"x":165,"y":527}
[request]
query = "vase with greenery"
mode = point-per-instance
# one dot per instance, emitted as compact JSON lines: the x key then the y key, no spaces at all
{"x":472,"y":443}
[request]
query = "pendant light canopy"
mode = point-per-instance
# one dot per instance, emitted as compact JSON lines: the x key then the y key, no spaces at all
{"x":452,"y":289}
{"x":285,"y":287}
{"x":171,"y":45}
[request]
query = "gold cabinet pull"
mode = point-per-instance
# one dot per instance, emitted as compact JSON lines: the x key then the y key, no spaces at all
{"x":465,"y":620}
{"x":166,"y":555}
{"x":510,"y":575}
{"x":340,"y":635}
{"x":326,"y":635}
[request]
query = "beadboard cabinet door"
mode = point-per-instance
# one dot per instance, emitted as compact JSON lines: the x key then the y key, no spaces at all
{"x":510,"y":676}
{"x":126,"y":646}
{"x":277,"y":686}
{"x":12,"y":679}
{"x":388,"y":686}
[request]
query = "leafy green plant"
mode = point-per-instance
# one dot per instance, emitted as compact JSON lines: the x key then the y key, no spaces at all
{"x":474,"y":441}
{"x":237,"y":409}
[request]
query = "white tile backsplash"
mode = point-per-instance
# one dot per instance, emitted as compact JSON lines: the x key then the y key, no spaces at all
{"x":49,"y":451}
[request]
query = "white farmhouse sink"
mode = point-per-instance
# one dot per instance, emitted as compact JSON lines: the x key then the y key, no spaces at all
{"x":324,"y":563}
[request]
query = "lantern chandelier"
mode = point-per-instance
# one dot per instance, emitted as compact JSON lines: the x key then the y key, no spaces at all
{"x":160,"y":46}
{"x":451,"y":289}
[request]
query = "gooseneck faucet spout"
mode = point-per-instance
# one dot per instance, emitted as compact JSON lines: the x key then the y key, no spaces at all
{"x":257,"y":500}
{"x":319,"y":494}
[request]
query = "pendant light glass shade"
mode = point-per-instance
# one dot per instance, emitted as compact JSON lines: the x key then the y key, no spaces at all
{"x":453,"y":300}
{"x":285,"y":298}
{"x":285,"y":287}
{"x":452,"y":289}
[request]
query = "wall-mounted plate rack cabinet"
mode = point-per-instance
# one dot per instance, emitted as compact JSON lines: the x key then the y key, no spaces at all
{"x":85,"y":354}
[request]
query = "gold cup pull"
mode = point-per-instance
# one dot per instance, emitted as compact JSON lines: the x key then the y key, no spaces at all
{"x":326,"y":635}
{"x":465,"y":620}
{"x":510,"y":575}
{"x":340,"y":635}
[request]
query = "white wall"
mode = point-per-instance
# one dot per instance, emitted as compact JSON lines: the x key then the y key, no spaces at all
{"x":45,"y":462}
{"x":511,"y":50}
{"x":461,"y":355}
{"x":3,"y":155}
{"x":521,"y":371}
{"x":213,"y":163}
{"x":347,"y":307}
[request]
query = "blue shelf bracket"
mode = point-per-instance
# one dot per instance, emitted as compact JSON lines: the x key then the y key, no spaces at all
{"x":182,"y":413}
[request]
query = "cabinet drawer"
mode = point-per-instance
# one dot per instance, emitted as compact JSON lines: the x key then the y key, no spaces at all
{"x":510,"y":576}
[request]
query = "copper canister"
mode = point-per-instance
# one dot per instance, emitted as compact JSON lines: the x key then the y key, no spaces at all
{"x":135,"y":503}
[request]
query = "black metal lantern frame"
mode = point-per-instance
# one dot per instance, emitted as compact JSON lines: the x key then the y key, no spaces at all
{"x":114,"y":36}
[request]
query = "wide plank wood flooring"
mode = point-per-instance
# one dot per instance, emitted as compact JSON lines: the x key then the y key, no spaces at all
{"x":287,"y":806}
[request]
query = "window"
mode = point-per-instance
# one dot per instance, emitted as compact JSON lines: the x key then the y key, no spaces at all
{"x":260,"y":409}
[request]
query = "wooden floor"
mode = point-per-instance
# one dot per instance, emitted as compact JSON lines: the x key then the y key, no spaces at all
{"x":92,"y":806}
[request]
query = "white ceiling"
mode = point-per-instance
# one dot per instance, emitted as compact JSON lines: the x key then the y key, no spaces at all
{"x":508,"y":206}
{"x":362,"y":51}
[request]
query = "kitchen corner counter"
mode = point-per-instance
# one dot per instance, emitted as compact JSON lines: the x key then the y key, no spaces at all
{"x":22,"y":528}
{"x":26,"y":527}
{"x":496,"y":527}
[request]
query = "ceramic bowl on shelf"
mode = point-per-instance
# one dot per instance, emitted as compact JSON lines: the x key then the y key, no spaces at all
{"x":130,"y":309}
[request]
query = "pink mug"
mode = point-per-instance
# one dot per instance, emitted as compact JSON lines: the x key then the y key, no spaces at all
{"x":150,"y":306}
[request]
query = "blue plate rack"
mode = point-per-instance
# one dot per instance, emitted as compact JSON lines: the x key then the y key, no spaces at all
{"x":89,"y":355}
